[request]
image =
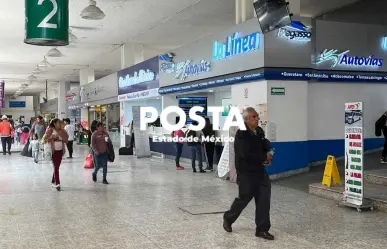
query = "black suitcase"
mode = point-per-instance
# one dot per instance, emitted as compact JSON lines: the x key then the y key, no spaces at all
{"x":125,"y":151}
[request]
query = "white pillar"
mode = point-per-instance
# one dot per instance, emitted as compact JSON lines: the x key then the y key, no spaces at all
{"x":86,"y":75}
{"x":63,"y":87}
{"x":247,"y":10}
{"x":238,"y":7}
{"x":131,"y":54}
{"x":294,"y":8}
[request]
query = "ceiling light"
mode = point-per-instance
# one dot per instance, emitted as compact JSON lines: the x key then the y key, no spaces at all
{"x":37,"y":70}
{"x":92,"y":12}
{"x":54,"y":52}
{"x":32,"y":78}
{"x":72,"y":38}
{"x":44,"y":63}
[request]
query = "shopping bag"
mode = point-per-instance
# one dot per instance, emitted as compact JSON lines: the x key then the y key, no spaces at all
{"x":88,"y":164}
{"x":47,"y":153}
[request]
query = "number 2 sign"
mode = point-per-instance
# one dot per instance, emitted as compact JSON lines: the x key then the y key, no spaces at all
{"x":47,"y":22}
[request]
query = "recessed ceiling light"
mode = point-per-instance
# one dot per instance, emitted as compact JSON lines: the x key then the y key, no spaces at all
{"x":211,"y":91}
{"x":92,"y":12}
{"x":54,"y":52}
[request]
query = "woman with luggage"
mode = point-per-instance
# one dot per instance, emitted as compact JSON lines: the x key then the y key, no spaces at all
{"x":99,"y":145}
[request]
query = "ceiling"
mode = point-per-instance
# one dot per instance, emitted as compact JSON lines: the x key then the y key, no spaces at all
{"x":161,"y":25}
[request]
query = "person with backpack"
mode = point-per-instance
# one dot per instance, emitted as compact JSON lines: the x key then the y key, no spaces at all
{"x":194,"y":141}
{"x":381,"y":128}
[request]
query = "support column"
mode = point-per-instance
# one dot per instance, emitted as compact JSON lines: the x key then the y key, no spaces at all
{"x":247,"y":10}
{"x":238,"y":7}
{"x":294,"y":8}
{"x":86,"y":76}
{"x":131,"y":54}
{"x":63,"y":88}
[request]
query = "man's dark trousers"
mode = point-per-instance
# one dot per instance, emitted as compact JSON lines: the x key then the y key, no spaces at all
{"x":252,"y":186}
{"x":4,"y":142}
{"x":70,"y":148}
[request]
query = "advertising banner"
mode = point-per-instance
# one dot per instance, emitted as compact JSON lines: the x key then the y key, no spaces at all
{"x":139,"y":81}
{"x":2,"y":102}
{"x":141,"y":138}
{"x":354,"y":147}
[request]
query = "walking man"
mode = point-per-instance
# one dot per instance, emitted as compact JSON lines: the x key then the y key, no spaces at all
{"x":5,"y":134}
{"x":70,"y":129}
{"x":251,"y":156}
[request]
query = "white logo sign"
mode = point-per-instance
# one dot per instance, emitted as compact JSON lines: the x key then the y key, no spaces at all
{"x":138,"y":77}
{"x":234,"y":118}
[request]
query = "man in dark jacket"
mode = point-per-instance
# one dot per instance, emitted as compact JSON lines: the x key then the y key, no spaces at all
{"x":251,"y":156}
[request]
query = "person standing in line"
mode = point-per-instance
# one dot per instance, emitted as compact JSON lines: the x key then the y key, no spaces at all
{"x":251,"y":156}
{"x":208,"y":131}
{"x":57,"y":138}
{"x":34,"y":148}
{"x":179,"y":135}
{"x":70,"y":129}
{"x":196,"y":147}
{"x":5,"y":133}
{"x":99,"y":141}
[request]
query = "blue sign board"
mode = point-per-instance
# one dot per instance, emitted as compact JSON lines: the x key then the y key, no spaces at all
{"x":289,"y":74}
{"x":140,"y":77}
{"x":235,"y":45}
{"x":16,"y":104}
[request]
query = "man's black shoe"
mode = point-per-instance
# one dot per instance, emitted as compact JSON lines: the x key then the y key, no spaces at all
{"x":202,"y":171}
{"x":227,"y":226}
{"x":94,"y":178}
{"x":9,"y":152}
{"x":265,"y":235}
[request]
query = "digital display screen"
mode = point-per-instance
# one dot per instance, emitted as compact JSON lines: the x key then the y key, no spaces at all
{"x":187,"y":103}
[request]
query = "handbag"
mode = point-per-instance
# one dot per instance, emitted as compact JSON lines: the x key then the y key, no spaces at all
{"x":47,"y":151}
{"x":88,"y":164}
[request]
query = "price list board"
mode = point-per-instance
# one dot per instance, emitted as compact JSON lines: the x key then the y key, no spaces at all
{"x":354,"y":148}
{"x":187,"y":103}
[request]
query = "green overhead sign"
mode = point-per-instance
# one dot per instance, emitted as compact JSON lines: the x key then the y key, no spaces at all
{"x":278,"y":91}
{"x":47,"y":22}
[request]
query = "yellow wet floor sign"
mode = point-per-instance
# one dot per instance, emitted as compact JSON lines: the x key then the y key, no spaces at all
{"x":331,"y":172}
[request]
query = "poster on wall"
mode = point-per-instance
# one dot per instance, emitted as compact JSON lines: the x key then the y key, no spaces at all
{"x":354,"y":147}
{"x":141,"y":138}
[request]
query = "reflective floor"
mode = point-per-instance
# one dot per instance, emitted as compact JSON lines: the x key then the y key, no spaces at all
{"x":140,"y":209}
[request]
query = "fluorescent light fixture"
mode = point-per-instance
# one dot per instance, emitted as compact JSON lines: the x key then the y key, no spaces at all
{"x":54,"y":52}
{"x":44,"y":63}
{"x":92,"y":12}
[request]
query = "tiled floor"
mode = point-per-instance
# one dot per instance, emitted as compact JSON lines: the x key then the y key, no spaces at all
{"x":140,"y":209}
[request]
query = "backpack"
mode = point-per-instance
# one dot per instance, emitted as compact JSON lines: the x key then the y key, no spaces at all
{"x":190,"y":134}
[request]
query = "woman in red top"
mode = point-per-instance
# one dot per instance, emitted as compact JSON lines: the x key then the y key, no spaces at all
{"x":179,"y":135}
{"x":57,"y":138}
{"x":99,"y":141}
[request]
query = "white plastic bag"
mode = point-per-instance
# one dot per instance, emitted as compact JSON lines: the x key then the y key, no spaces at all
{"x":47,"y":151}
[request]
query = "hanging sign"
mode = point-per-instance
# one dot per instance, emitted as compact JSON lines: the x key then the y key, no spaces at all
{"x":354,"y":144}
{"x":47,"y":22}
{"x":2,"y":105}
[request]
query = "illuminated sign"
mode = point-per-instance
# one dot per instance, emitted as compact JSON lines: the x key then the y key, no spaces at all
{"x":235,"y":45}
{"x":384,"y":43}
{"x":297,"y":32}
{"x":342,"y":59}
{"x":138,"y":77}
{"x":182,"y":70}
